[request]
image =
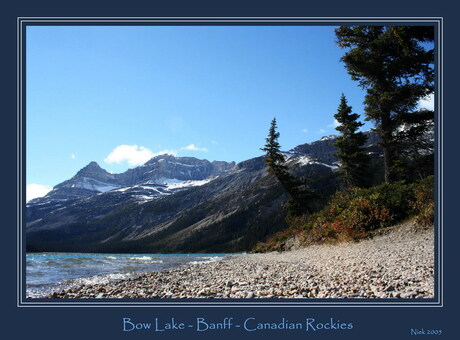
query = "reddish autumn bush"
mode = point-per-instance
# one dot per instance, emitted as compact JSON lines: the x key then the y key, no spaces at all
{"x":352,"y":214}
{"x":423,"y":202}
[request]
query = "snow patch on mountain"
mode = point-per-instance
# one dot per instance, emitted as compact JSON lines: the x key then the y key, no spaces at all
{"x":92,"y":184}
{"x":330,"y":137}
{"x":144,"y":198}
{"x":188,"y":184}
{"x":150,"y":190}
{"x":306,"y":160}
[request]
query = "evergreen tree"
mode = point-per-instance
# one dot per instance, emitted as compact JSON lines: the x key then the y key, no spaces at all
{"x":414,"y":159}
{"x":396,"y":71}
{"x":299,"y":193}
{"x":273,"y":157}
{"x":354,"y":161}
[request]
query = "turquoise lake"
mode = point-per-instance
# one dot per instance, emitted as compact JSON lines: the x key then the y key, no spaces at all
{"x":48,"y":272}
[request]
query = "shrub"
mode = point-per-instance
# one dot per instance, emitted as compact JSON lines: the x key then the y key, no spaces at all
{"x":423,"y":202}
{"x":352,"y":214}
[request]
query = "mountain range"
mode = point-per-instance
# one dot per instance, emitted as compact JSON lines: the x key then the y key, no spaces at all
{"x":176,"y":204}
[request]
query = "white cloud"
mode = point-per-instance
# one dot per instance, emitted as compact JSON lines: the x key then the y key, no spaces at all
{"x":321,"y":131}
{"x":138,"y":155}
{"x":427,"y":102}
{"x":304,"y":130}
{"x":193,"y":147}
{"x":72,"y":155}
{"x":334,"y":124}
{"x":36,"y":190}
{"x":133,"y":154}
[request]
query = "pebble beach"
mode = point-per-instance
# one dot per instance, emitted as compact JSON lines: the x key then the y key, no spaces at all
{"x":397,"y":263}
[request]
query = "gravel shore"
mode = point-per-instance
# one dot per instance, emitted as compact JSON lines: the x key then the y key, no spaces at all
{"x":397,"y":264}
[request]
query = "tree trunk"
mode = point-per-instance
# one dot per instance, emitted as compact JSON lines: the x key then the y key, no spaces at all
{"x":387,"y":143}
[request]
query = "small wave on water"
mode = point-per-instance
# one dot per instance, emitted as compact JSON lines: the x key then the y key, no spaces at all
{"x":149,"y":259}
{"x":207,"y":259}
{"x":41,"y":290}
{"x":102,"y":279}
{"x":50,"y":272}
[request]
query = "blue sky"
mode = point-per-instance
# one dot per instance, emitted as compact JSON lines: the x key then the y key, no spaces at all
{"x":119,"y":95}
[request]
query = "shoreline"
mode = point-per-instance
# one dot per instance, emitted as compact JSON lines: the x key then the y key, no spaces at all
{"x":399,"y":263}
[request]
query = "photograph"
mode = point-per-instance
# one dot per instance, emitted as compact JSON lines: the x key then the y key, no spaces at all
{"x":230,"y":162}
{"x":197,"y":170}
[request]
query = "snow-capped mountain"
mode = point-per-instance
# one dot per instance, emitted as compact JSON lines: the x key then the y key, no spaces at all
{"x":323,"y":150}
{"x":89,"y":180}
{"x":164,"y":170}
{"x":174,"y":204}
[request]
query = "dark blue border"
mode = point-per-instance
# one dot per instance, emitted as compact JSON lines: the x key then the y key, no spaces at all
{"x":368,"y":322}
{"x":26,"y":22}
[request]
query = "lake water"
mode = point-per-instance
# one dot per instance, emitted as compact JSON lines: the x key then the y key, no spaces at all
{"x":48,"y":272}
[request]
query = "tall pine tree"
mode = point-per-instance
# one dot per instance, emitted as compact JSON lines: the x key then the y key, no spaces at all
{"x":299,"y":193}
{"x":273,"y":156}
{"x":396,"y":68}
{"x":353,"y":159}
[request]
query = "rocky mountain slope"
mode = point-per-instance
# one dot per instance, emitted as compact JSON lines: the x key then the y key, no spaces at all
{"x":173,"y":205}
{"x":161,"y":170}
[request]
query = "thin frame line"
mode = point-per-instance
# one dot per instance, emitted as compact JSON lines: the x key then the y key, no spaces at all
{"x":436,"y":20}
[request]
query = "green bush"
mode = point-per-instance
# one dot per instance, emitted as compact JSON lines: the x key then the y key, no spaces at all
{"x":354,"y":213}
{"x":423,"y":202}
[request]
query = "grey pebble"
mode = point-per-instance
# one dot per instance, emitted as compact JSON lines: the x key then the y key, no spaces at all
{"x":397,"y":264}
